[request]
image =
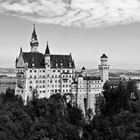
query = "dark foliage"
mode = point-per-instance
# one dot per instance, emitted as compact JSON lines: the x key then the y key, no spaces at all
{"x":40,"y":119}
{"x":117,"y":114}
{"x":75,"y":115}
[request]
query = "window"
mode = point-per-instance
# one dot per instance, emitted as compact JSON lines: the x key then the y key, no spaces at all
{"x":53,"y":70}
{"x":34,"y":70}
{"x":67,"y":71}
{"x":69,"y":76}
{"x":55,"y":81}
{"x":43,"y":70}
{"x":43,"y":86}
{"x":43,"y":76}
{"x":36,"y":81}
{"x":30,"y":76}
{"x":30,"y":82}
{"x":34,"y":76}
{"x":58,"y":70}
{"x":30,"y":70}
{"x":43,"y":81}
{"x":65,"y":80}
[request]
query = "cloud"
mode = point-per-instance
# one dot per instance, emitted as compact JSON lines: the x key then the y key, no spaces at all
{"x":84,"y":13}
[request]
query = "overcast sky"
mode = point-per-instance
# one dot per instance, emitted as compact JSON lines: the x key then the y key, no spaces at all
{"x":85,"y":28}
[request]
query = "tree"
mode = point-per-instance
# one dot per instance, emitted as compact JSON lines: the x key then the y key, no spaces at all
{"x":89,"y":114}
{"x":75,"y":115}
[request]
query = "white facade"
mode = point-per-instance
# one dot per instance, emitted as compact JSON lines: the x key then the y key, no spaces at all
{"x":84,"y":90}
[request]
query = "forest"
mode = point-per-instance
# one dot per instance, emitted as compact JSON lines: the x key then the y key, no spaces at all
{"x":117,"y":116}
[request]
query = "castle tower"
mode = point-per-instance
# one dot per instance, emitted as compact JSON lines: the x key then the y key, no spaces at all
{"x":34,"y":41}
{"x":104,"y":68}
{"x":48,"y":71}
{"x":83,"y":71}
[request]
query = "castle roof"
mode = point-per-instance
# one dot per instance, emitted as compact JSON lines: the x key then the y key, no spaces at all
{"x":37,"y":57}
{"x":104,"y":56}
{"x":80,"y":75}
{"x":75,"y":82}
{"x":57,"y":61}
{"x":47,"y":51}
{"x":92,"y":78}
{"x":83,"y":68}
{"x":34,"y":35}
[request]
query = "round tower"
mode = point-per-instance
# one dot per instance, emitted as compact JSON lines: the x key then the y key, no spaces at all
{"x":104,"y":68}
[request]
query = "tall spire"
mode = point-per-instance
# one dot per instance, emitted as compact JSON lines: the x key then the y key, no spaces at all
{"x":20,"y":49}
{"x":34,"y":35}
{"x":34,"y":41}
{"x":47,"y":51}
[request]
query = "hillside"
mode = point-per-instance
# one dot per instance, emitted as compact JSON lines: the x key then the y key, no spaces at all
{"x":8,"y":71}
{"x":116,"y":72}
{"x":113,"y":72}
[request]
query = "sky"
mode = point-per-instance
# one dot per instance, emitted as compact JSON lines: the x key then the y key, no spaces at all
{"x":85,"y":28}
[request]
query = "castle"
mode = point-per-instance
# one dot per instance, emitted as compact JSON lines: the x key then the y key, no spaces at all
{"x":47,"y":74}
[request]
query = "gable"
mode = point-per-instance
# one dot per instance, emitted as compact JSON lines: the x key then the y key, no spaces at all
{"x":20,"y":62}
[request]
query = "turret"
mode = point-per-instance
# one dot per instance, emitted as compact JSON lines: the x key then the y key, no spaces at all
{"x":104,"y":68}
{"x":104,"y":59}
{"x":47,"y":55}
{"x":48,"y":72}
{"x":83,"y":71}
{"x":34,"y":41}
